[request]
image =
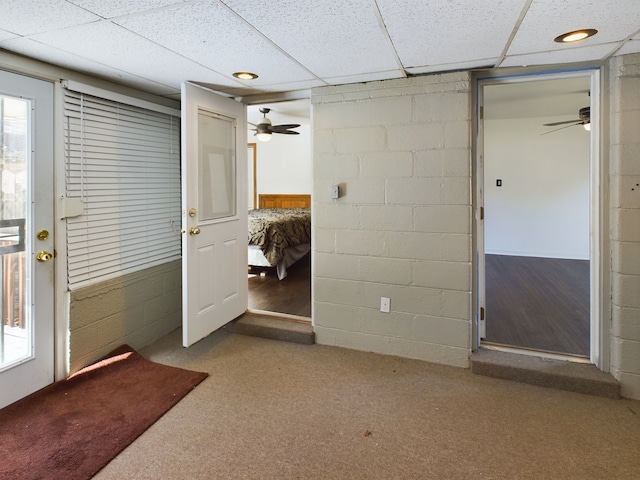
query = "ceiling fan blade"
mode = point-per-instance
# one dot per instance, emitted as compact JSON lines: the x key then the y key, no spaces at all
{"x":282,"y":128}
{"x":560,"y":123}
{"x":287,"y":132}
{"x":566,"y":126}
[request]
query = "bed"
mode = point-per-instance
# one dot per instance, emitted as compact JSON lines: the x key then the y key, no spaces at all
{"x":279,"y":232}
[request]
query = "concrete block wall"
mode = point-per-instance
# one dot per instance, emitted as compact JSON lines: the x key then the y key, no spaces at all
{"x":135,"y":309}
{"x":401,"y":152}
{"x":625,"y":222}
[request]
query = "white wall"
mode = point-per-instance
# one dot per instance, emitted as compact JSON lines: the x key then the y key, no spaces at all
{"x":284,"y":162}
{"x":542,"y":208}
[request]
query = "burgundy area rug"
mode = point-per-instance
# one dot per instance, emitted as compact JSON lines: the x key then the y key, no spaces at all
{"x":73,"y":428}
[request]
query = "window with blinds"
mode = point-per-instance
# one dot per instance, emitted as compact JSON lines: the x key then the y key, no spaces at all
{"x":123,"y":162}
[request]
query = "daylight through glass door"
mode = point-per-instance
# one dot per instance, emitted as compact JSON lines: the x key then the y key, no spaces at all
{"x":15,"y":326}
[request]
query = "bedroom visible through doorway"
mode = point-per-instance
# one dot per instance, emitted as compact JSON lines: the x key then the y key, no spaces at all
{"x":280,"y":178}
{"x":537,"y":197}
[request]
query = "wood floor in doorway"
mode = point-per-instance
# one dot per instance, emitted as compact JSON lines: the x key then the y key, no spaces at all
{"x":291,"y":295}
{"x":538,"y":303}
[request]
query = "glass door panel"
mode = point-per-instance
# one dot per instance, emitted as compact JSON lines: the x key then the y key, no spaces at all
{"x":217,"y":179}
{"x":16,"y":324}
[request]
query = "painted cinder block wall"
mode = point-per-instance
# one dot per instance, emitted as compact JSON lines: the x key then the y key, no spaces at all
{"x":625,"y":221}
{"x":401,"y":152}
{"x":135,"y":309}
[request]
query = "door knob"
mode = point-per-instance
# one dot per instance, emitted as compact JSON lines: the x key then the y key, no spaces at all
{"x":194,"y":231}
{"x":43,"y":256}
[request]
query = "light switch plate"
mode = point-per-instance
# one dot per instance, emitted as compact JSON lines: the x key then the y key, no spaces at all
{"x":385,"y":304}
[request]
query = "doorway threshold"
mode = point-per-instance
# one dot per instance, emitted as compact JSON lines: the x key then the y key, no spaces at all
{"x":544,"y":369}
{"x":535,"y":352}
{"x":275,"y":326}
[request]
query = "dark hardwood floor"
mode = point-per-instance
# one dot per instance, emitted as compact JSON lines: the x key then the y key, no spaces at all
{"x":291,"y":295}
{"x":538,"y":303}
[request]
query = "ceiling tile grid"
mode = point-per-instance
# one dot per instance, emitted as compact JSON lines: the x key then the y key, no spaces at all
{"x":116,"y":47}
{"x":332,"y":38}
{"x":569,"y":55}
{"x":438,"y":32}
{"x":4,"y":35}
{"x":35,"y":16}
{"x":46,"y":53}
{"x":212,"y":35}
{"x":119,"y":8}
{"x":615,"y":20}
{"x":295,"y":45}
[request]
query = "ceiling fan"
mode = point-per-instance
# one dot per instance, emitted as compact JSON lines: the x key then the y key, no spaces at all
{"x":264,"y":129}
{"x":584,"y":119}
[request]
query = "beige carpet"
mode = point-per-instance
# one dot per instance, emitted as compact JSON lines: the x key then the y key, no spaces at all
{"x":276,"y":410}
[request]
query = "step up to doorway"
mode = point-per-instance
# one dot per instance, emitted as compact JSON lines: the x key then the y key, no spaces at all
{"x":545,"y":372}
{"x":275,"y":328}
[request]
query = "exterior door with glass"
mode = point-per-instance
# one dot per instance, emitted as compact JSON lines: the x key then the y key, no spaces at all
{"x":26,"y":236}
{"x":214,"y":210}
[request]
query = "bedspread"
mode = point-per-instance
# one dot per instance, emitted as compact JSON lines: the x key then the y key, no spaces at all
{"x":274,"y":229}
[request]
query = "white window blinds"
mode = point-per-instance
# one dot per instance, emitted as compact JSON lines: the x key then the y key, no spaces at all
{"x":123,"y":162}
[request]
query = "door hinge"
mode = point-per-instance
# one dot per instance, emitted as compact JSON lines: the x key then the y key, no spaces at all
{"x":481,"y":213}
{"x":481,"y":313}
{"x":481,"y":113}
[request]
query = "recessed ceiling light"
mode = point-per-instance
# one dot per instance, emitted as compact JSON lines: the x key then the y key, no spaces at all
{"x":576,"y":35}
{"x":245,"y":75}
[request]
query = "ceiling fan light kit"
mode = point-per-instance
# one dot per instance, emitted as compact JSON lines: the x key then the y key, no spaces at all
{"x":264,"y":128}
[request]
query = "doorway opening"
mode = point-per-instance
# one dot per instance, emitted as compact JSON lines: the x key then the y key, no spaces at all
{"x":537,"y":191}
{"x":280,"y":176}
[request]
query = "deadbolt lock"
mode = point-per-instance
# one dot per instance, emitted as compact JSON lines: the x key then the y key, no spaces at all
{"x":192,"y":212}
{"x":42,"y":234}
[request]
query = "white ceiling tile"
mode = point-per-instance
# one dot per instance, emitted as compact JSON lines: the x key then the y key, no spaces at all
{"x":559,"y":56}
{"x":34,"y":16}
{"x":331,"y":38}
{"x":443,"y":31}
{"x":45,"y":53}
{"x":111,"y":45}
{"x":4,"y":35}
{"x":632,"y":46}
{"x":615,"y":20}
{"x":211,"y":34}
{"x":117,"y":8}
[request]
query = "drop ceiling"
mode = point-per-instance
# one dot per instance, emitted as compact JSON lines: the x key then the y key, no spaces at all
{"x":293,"y":46}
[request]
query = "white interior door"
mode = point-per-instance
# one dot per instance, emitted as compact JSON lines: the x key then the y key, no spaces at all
{"x":214,"y":212}
{"x":26,"y":236}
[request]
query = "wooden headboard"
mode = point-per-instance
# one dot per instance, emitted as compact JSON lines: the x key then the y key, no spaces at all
{"x":284,"y":200}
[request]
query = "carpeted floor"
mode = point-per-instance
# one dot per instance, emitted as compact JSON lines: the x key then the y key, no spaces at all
{"x":276,"y":410}
{"x":72,"y":428}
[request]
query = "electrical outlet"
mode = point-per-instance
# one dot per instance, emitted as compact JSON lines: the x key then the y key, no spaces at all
{"x":385,"y":304}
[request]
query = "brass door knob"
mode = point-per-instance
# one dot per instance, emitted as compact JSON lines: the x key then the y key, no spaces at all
{"x":44,"y":256}
{"x":194,"y":231}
